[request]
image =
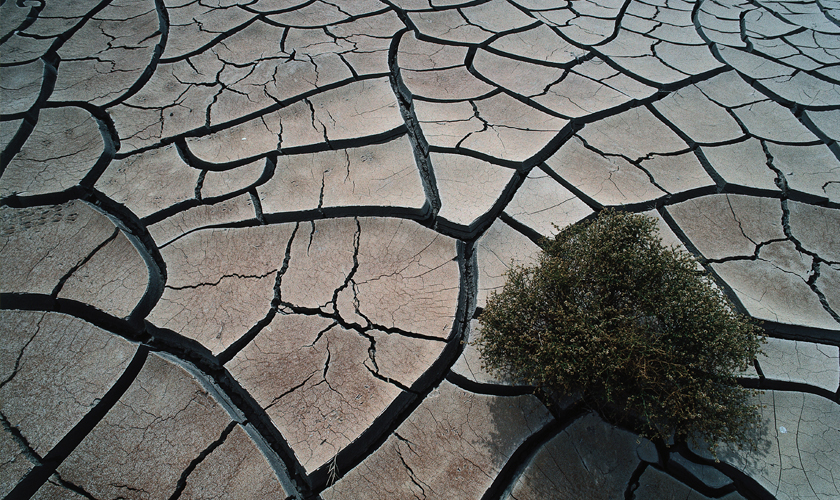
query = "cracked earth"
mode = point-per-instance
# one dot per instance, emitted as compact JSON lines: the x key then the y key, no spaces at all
{"x":244,"y":244}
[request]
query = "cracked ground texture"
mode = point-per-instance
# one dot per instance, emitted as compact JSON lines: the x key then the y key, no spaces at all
{"x":244,"y":244}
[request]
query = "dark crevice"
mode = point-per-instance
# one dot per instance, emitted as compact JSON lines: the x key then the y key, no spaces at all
{"x":388,"y":380}
{"x":63,"y":279}
{"x":419,"y":145}
{"x":75,"y":488}
{"x":21,"y":441}
{"x":278,"y":284}
{"x":766,"y":384}
{"x":745,"y":485}
{"x":223,"y":277}
{"x":279,"y":397}
{"x":289,"y":308}
{"x":526,"y":231}
{"x":245,"y":339}
{"x":182,"y":481}
{"x":538,"y":62}
{"x":199,"y":184}
{"x":439,"y":100}
{"x":633,"y":482}
{"x":486,"y":388}
{"x":42,"y":302}
{"x":800,"y":332}
{"x":30,"y":18}
{"x":20,"y":356}
{"x":408,"y":468}
{"x":327,"y":145}
{"x":679,"y":473}
{"x":348,"y":280}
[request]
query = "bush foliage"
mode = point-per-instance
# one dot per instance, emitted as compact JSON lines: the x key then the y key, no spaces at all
{"x":630,"y":326}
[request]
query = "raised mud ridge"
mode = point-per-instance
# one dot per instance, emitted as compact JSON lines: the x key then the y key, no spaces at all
{"x":244,"y":244}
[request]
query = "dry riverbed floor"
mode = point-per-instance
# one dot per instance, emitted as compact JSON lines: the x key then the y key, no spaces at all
{"x":244,"y":244}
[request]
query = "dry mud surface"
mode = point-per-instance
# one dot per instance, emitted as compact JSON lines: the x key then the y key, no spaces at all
{"x":244,"y":244}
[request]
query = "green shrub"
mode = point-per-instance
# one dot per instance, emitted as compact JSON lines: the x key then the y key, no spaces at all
{"x":630,"y":326}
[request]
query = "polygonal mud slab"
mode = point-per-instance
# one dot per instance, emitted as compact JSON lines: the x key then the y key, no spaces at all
{"x":381,"y":175}
{"x":743,"y":163}
{"x":34,"y":254}
{"x":544,"y":205}
{"x":795,"y":455}
{"x":114,"y":288}
{"x":814,"y":228}
{"x":829,"y":284}
{"x":698,"y":117}
{"x":149,"y":181}
{"x":235,"y":469}
{"x":588,"y":459}
{"x":496,"y":255}
{"x":17,"y":462}
{"x":450,"y":84}
{"x":164,"y":422}
{"x":802,"y":362}
{"x":470,"y":365}
{"x":468,"y":188}
{"x":445,"y":125}
{"x":106,"y":56}
{"x":540,"y":44}
{"x":226,"y":182}
{"x":808,"y":169}
{"x":403,"y":269}
{"x":62,"y":149}
{"x":828,"y":122}
{"x":521,"y":77}
{"x":220,"y":213}
{"x":364,"y":109}
{"x":417,"y":55}
{"x":592,"y":87}
{"x":55,"y":369}
{"x":322,"y":385}
{"x":513,"y":132}
{"x":452,"y":446}
{"x":771,"y":121}
{"x":193,"y":25}
{"x":21,"y":89}
{"x":8,"y":130}
{"x":775,"y":286}
{"x":220,"y":282}
{"x":607,"y":180}
{"x":729,"y":225}
{"x":634,"y":134}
